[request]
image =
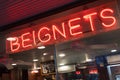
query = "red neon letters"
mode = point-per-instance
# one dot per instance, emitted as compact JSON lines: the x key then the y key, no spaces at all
{"x":41,"y":31}
{"x":24,"y":40}
{"x":74,"y":27}
{"x":34,"y":41}
{"x":55,"y":30}
{"x":108,"y":17}
{"x":64,"y":30}
{"x":89,"y":16}
{"x":14,"y":45}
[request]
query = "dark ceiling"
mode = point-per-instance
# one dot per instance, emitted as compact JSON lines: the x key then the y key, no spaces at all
{"x":16,"y":12}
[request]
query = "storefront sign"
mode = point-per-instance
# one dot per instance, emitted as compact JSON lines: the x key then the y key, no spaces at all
{"x":62,"y":29}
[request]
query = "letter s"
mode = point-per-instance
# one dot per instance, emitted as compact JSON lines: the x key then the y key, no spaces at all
{"x":108,"y":17}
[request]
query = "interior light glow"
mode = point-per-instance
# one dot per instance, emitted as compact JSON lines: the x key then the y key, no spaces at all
{"x":45,"y":54}
{"x":14,"y":64}
{"x":38,"y":68}
{"x":61,"y":55}
{"x":35,"y":59}
{"x":82,"y":67}
{"x":61,"y":64}
{"x":114,"y":50}
{"x":89,"y":60}
{"x":11,"y":39}
{"x":41,"y":47}
{"x":64,"y":67}
{"x":34,"y":71}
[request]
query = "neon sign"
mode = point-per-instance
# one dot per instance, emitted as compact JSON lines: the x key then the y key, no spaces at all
{"x":63,"y":29}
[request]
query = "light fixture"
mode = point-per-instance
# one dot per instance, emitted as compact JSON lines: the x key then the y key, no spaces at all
{"x":89,"y":60}
{"x":64,"y":68}
{"x":38,"y":68}
{"x":62,"y":55}
{"x":41,"y":47}
{"x":45,"y":54}
{"x":11,"y":39}
{"x":82,"y":67}
{"x":14,"y":64}
{"x":61,"y":64}
{"x":114,"y":50}
{"x":34,"y":71}
{"x":35,"y":60}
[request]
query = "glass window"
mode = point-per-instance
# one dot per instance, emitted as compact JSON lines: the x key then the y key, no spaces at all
{"x":87,"y":58}
{"x":37,"y":64}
